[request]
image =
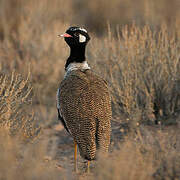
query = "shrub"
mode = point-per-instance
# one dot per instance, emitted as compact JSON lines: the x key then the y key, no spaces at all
{"x":142,"y":67}
{"x":150,"y":154}
{"x":16,"y":114}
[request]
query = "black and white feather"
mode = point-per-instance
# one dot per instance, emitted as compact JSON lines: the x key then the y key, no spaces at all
{"x":83,"y":99}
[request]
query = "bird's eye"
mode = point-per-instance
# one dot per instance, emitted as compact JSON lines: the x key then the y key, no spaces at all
{"x":76,"y":34}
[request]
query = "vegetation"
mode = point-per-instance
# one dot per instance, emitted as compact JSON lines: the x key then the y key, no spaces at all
{"x":135,"y":48}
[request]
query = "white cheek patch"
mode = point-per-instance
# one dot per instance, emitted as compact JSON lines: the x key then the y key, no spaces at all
{"x":82,"y":38}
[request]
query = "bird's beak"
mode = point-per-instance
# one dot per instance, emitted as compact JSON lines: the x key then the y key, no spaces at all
{"x":64,"y":35}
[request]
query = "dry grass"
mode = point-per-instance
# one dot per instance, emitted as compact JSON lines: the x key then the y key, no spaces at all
{"x":145,"y":155}
{"x":25,"y":161}
{"x":148,"y":154}
{"x":16,"y":115}
{"x":143,"y":72}
{"x":140,"y":62}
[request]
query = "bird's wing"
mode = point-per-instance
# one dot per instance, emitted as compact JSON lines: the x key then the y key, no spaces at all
{"x":80,"y":91}
{"x":85,"y":106}
{"x":58,"y":110}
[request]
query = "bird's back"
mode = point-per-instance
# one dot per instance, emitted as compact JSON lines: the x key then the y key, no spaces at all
{"x":85,"y":106}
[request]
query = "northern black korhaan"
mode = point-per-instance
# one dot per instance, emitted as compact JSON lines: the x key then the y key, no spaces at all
{"x":83,"y":100}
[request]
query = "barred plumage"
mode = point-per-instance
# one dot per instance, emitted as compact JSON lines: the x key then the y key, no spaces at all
{"x":85,"y":106}
{"x":83,"y":100}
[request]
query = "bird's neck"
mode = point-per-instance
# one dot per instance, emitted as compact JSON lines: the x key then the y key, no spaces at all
{"x":77,"y":54}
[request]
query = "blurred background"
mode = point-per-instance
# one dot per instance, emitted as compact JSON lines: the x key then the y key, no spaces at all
{"x":92,"y":14}
{"x":134,"y":45}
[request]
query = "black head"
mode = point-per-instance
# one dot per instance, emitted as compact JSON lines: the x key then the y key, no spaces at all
{"x":76,"y":36}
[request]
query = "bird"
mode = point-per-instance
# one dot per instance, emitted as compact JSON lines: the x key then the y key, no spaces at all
{"x":83,"y":100}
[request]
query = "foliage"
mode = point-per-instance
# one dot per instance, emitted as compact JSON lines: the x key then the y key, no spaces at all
{"x":15,"y":113}
{"x":134,"y":45}
{"x":142,"y":67}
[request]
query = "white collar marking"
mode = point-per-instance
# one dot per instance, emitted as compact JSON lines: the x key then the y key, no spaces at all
{"x":77,"y":66}
{"x":82,"y":38}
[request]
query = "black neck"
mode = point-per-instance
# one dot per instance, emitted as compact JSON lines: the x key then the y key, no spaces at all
{"x":77,"y":54}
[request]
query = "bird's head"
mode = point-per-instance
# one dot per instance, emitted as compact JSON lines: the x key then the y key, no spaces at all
{"x":76,"y":36}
